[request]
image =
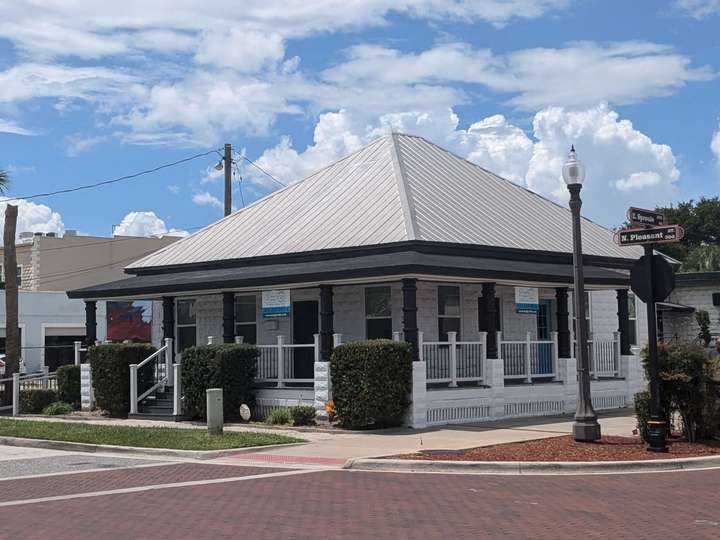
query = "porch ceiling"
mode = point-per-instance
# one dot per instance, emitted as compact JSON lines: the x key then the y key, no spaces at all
{"x":368,"y":266}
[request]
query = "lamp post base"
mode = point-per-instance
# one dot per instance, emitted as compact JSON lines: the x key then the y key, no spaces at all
{"x":656,"y":436}
{"x":586,"y":430}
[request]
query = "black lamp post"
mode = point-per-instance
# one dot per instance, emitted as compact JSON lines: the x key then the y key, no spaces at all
{"x":586,"y":427}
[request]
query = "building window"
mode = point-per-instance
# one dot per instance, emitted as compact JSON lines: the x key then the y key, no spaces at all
{"x":448,"y":311}
{"x":18,"y":278}
{"x":186,"y":325}
{"x":378,"y":313}
{"x":632,"y":312}
{"x":245,"y":318}
{"x":129,"y":321}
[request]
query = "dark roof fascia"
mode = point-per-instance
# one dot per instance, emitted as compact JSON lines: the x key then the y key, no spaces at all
{"x":346,"y":274}
{"x":421,"y":246}
{"x":697,"y":278}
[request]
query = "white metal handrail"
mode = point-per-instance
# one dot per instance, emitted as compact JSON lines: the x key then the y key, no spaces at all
{"x":276,"y":363}
{"x":32,"y":381}
{"x":528,"y":358}
{"x":163,"y":374}
{"x":453,"y":361}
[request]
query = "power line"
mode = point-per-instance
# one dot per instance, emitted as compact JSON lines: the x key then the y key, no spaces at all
{"x":112,"y":181}
{"x":259,"y":168}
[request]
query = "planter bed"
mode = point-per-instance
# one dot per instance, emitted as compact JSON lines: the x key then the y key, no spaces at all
{"x":139,"y":437}
{"x":567,"y":449}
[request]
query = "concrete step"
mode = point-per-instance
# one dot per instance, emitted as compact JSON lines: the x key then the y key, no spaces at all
{"x":153,"y":416}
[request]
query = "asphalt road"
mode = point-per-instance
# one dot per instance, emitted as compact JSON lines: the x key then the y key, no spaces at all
{"x":86,"y":496}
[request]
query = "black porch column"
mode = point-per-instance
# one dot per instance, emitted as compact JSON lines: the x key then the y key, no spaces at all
{"x":563,"y":322}
{"x":326,"y":322}
{"x":168,"y":321}
{"x":487,"y":315}
{"x":90,"y":322}
{"x":623,"y":314}
{"x":228,"y":303}
{"x":410,"y":327}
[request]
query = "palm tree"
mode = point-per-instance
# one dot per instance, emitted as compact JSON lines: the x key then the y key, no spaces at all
{"x":4,"y":181}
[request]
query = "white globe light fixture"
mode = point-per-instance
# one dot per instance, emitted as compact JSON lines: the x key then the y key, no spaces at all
{"x":573,"y":171}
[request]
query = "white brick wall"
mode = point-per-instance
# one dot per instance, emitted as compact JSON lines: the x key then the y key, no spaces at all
{"x":684,"y":327}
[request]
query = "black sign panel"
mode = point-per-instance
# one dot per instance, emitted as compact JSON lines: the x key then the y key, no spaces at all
{"x":663,"y":279}
{"x":651,"y":235}
{"x":639,"y":216}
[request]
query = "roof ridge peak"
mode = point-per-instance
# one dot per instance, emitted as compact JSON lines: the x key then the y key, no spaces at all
{"x":398,"y":167}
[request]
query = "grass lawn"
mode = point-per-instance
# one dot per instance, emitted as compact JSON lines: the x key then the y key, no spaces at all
{"x":147,"y":437}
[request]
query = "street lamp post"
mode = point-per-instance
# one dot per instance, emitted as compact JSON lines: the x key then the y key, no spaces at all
{"x":586,"y":427}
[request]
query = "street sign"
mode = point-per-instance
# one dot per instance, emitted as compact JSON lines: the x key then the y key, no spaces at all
{"x":642,"y":217}
{"x":650,"y":235}
{"x":663,"y":279}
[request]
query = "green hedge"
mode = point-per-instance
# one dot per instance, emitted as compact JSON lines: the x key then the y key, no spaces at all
{"x":35,"y":400}
{"x":110,"y":365}
{"x":371,"y":382}
{"x":68,"y":380}
{"x":228,"y":366}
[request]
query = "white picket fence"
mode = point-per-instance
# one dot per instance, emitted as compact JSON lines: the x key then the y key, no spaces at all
{"x":604,"y":356}
{"x":528,"y":358}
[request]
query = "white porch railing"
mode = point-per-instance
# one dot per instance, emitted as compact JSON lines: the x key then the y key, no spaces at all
{"x":279,"y":363}
{"x":604,"y":356}
{"x":528,"y":358}
{"x":34,"y":381}
{"x":160,"y":364}
{"x":453,"y":361}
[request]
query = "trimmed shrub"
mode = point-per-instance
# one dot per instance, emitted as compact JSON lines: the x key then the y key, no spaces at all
{"x":686,"y":387}
{"x":228,"y":366}
{"x":279,"y":416}
{"x":58,"y":407}
{"x":110,"y":364}
{"x":371,"y":382}
{"x":68,"y":380}
{"x":302,"y":415}
{"x":35,"y":400}
{"x":642,"y":413}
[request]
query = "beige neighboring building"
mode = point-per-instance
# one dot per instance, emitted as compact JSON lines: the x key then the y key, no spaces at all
{"x":50,"y":323}
{"x":59,"y":263}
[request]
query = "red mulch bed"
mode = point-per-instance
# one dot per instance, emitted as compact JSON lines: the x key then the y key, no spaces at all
{"x":567,"y":449}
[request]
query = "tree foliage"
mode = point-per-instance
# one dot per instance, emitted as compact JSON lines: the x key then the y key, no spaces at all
{"x":702,"y":259}
{"x":701,"y":221}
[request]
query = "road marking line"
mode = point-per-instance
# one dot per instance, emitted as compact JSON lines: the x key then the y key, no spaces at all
{"x":153,"y":487}
{"x":79,"y":471}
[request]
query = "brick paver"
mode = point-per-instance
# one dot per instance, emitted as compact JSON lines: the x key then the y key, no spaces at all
{"x":347,"y":504}
{"x":49,"y":486}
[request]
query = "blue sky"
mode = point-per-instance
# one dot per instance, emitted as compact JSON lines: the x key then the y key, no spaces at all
{"x":90,"y":92}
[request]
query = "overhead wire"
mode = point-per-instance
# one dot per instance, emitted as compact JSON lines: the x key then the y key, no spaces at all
{"x":113,"y":180}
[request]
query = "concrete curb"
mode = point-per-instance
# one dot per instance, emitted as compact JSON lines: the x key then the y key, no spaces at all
{"x":531,"y":467}
{"x":136,"y":451}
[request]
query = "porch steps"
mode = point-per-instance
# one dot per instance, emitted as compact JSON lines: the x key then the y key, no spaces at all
{"x":157,"y":407}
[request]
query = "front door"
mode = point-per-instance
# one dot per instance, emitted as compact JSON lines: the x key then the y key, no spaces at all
{"x":545,"y":327}
{"x":305,"y":326}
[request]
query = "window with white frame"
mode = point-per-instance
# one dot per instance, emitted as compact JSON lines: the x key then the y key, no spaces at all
{"x":18,"y":278}
{"x":246,"y":318}
{"x":448,"y":311}
{"x":378,"y":313}
{"x":186,"y":323}
{"x":632,"y":315}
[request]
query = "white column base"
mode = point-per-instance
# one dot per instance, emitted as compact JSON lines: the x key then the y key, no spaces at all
{"x":323,"y":390}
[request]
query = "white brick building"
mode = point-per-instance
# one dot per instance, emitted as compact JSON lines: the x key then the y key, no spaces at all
{"x":403,"y":240}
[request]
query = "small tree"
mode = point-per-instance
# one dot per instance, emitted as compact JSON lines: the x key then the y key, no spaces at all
{"x":703,"y":320}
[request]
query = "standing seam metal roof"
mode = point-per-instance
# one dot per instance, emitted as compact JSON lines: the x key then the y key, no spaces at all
{"x":395,"y":189}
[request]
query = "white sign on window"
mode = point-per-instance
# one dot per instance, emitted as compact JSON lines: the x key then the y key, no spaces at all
{"x":276,"y":303}
{"x":526,"y":300}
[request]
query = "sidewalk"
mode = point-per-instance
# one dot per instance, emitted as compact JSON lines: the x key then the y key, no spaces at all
{"x":334,"y":447}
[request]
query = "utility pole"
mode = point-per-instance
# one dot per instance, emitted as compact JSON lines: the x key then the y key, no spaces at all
{"x":227,"y":163}
{"x":12,"y":329}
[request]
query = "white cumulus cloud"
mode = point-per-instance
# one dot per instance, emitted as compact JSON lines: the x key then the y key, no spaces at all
{"x":206,"y":199}
{"x":624,"y":165}
{"x":699,"y":8}
{"x":145,"y":223}
{"x":33,"y":217}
